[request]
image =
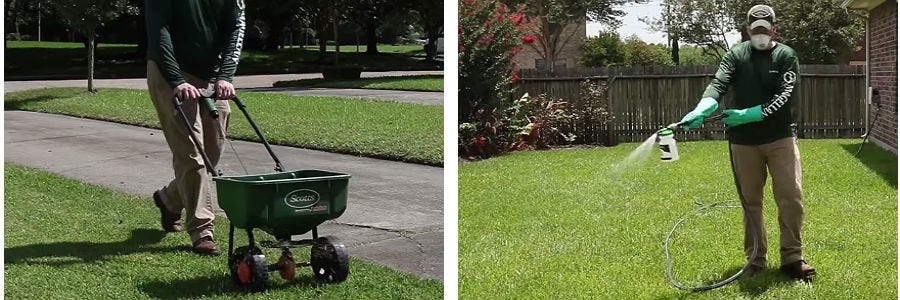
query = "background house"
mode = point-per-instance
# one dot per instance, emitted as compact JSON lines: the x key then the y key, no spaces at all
{"x":567,"y":58}
{"x":881,"y":43}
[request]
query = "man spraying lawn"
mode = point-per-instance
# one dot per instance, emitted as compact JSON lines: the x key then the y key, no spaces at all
{"x":762,"y":139}
{"x":192,"y":44}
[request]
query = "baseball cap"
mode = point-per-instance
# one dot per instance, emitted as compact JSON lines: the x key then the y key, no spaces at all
{"x":761,"y":15}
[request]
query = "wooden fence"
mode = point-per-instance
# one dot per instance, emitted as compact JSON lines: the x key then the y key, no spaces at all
{"x":644,"y":99}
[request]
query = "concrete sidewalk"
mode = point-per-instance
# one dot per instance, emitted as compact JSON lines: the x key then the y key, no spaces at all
{"x":395,"y":210}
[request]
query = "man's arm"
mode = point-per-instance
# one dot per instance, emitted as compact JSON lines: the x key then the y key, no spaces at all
{"x":709,"y":102}
{"x":790,"y":69}
{"x":720,"y":83}
{"x":159,"y":40}
{"x":231,"y":53}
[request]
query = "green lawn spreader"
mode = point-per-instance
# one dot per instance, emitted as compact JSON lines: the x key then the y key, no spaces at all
{"x":282,"y":204}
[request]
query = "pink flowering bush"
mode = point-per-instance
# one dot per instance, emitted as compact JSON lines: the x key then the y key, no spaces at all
{"x":490,"y":35}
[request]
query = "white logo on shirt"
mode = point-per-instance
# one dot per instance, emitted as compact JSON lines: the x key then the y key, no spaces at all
{"x":789,"y":77}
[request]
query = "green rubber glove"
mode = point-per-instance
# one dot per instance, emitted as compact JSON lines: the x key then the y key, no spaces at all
{"x":737,"y":117}
{"x":694,"y":118}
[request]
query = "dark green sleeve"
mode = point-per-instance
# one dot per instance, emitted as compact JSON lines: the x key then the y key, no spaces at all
{"x":159,"y":40}
{"x":719,"y":86}
{"x":231,"y":54}
{"x":789,"y":69}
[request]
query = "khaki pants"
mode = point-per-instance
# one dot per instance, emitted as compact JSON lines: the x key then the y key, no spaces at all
{"x":190,"y":188}
{"x":783,"y":161}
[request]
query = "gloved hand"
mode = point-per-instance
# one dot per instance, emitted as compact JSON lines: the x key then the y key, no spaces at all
{"x":737,"y":117}
{"x":694,"y":118}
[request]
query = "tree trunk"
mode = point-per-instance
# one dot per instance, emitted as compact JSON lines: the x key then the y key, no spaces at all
{"x":431,"y":48}
{"x":141,"y":52}
{"x":91,"y":62}
{"x":371,"y":36}
{"x":676,"y":58}
{"x":276,"y":33}
{"x":322,"y":44}
{"x":337,"y":41}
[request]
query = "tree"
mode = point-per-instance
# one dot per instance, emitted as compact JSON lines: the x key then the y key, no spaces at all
{"x":318,"y":15}
{"x":603,"y":50}
{"x":431,"y":17}
{"x":700,"y":22}
{"x":694,"y":56}
{"x":608,"y":49}
{"x":275,"y":17}
{"x":86,"y":16}
{"x":373,"y":14}
{"x":555,"y":16}
{"x":25,"y":12}
{"x":821,"y":31}
{"x":639,"y":53}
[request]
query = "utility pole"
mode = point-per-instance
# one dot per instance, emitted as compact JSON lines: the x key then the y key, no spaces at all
{"x":39,"y":21}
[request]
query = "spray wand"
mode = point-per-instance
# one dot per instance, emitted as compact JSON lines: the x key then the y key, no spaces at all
{"x":682,"y":123}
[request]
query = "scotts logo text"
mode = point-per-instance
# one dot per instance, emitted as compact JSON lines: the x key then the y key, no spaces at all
{"x":301,"y":198}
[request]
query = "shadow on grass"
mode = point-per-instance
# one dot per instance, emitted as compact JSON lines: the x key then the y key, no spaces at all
{"x":880,"y":161}
{"x":18,"y":104}
{"x":752,"y":287}
{"x":216,"y":285}
{"x":353,"y":83}
{"x":70,"y":253}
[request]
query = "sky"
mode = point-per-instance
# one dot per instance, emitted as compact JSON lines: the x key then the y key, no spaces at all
{"x":631,"y":25}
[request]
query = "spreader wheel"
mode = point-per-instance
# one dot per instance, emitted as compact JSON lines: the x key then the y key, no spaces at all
{"x":248,"y":269}
{"x":329,"y":260}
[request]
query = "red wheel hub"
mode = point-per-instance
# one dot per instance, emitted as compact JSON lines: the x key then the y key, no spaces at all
{"x":243,"y":271}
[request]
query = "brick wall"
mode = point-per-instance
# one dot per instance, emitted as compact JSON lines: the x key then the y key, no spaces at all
{"x":570,"y":54}
{"x":883,"y":72}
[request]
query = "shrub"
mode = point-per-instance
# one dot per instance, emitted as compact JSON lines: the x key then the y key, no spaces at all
{"x":490,"y":35}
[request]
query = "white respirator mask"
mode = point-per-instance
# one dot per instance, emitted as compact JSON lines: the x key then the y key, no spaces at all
{"x":761,"y":41}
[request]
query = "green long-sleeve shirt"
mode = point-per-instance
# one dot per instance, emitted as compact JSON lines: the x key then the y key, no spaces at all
{"x":200,"y":37}
{"x":768,"y":78}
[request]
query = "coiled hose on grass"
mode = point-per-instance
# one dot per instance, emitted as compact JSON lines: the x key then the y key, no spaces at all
{"x":703,"y":207}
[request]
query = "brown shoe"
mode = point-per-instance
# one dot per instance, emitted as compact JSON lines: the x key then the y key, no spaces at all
{"x":171,"y":222}
{"x":799,"y":270}
{"x":206,"y":246}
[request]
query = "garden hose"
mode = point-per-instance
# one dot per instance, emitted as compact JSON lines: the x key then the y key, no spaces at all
{"x":866,"y":136}
{"x":703,"y":207}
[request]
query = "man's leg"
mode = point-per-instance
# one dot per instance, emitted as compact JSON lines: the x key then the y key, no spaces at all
{"x":750,"y":170}
{"x":189,"y":188}
{"x":161,"y":94}
{"x":784,"y":158}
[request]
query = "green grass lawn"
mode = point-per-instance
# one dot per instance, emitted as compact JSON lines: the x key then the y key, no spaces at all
{"x":571,"y":224}
{"x":58,"y":45}
{"x":30,"y":58}
{"x":381,"y":129}
{"x":68,"y":240}
{"x":427,"y":83}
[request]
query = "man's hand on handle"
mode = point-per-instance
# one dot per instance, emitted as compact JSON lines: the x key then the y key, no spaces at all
{"x":694,"y":118}
{"x":224,"y":90}
{"x":187,"y":91}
